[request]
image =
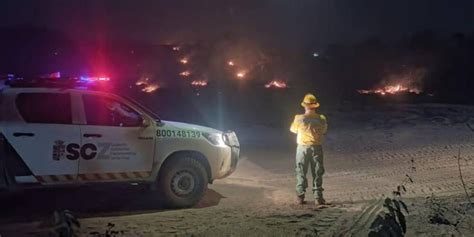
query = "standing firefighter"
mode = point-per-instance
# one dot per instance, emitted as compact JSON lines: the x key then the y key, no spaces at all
{"x":310,"y":128}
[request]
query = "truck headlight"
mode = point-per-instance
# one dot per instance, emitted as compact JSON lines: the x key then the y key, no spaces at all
{"x":230,"y":139}
{"x":214,"y":138}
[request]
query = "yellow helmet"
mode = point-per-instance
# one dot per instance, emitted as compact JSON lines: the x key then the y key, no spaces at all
{"x":310,"y":101}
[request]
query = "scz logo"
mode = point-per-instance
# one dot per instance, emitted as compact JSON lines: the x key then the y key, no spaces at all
{"x":74,"y":151}
{"x":88,"y":151}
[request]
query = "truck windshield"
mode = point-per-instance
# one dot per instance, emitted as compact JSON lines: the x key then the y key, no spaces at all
{"x":148,"y":111}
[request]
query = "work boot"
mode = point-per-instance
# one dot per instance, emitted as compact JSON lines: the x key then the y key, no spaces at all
{"x":301,"y":200}
{"x":320,"y":201}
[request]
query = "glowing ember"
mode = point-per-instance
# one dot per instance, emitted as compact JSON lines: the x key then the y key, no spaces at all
{"x":184,"y":61}
{"x":391,"y":89}
{"x":185,"y":74}
{"x":150,"y":88}
{"x":199,"y":83}
{"x":276,"y":84}
{"x":241,"y":74}
{"x":146,"y":85}
{"x":143,"y":81}
{"x":230,"y":63}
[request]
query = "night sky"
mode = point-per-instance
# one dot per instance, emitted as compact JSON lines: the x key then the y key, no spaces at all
{"x":302,"y":23}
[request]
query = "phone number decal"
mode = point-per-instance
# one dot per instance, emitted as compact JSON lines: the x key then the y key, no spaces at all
{"x":173,"y":133}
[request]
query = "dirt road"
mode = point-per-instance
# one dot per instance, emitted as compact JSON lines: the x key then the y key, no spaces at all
{"x":365,"y":161}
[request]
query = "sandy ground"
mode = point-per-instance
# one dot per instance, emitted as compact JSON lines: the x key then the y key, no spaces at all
{"x":367,"y":154}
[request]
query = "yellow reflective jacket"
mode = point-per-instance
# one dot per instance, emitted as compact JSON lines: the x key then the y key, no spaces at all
{"x":310,"y":128}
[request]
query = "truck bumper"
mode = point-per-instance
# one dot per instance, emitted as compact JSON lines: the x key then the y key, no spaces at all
{"x":234,"y":159}
{"x":229,"y":164}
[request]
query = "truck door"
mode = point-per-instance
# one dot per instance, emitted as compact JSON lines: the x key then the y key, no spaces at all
{"x":116,"y":145}
{"x":46,"y":136}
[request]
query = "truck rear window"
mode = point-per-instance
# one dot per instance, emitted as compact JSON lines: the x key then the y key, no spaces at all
{"x":51,"y":108}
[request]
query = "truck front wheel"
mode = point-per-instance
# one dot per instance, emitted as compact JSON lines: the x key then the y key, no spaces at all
{"x":182,"y":182}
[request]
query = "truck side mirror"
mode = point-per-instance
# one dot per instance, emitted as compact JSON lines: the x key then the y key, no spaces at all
{"x":145,"y":123}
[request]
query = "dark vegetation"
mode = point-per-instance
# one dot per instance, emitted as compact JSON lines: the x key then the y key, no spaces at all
{"x":391,"y":220}
{"x":437,"y":64}
{"x":65,"y":224}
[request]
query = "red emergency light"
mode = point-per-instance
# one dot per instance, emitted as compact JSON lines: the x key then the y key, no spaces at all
{"x":83,"y":82}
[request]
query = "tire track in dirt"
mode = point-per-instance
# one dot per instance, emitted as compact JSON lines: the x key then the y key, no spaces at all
{"x":364,"y":178}
{"x":436,"y":171}
{"x":362,"y":221}
{"x":371,"y":175}
{"x":309,"y":222}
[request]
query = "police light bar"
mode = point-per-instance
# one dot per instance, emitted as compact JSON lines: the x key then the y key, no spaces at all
{"x":52,"y":75}
{"x":82,"y":82}
{"x":94,"y":79}
{"x":6,"y":76}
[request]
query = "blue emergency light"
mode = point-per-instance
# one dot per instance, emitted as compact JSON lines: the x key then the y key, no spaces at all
{"x":82,"y":82}
{"x":93,"y":79}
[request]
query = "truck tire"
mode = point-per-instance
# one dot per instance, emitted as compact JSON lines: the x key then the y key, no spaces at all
{"x":182,"y":182}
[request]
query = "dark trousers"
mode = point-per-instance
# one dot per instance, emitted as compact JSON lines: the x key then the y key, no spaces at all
{"x":309,"y":157}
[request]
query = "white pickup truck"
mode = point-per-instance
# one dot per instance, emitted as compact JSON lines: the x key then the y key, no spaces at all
{"x":60,"y":135}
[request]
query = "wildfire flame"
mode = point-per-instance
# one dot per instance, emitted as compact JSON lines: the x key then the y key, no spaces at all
{"x":408,"y":80}
{"x":142,"y":81}
{"x":240,"y":74}
{"x":184,"y":61}
{"x":391,"y":89}
{"x":185,"y":73}
{"x":150,"y":88}
{"x":147,"y":86}
{"x":199,"y":83}
{"x":276,"y":84}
